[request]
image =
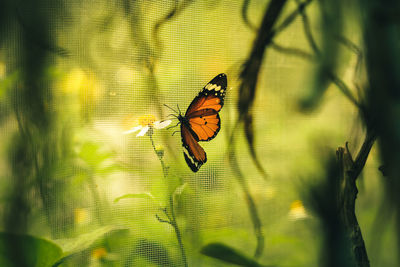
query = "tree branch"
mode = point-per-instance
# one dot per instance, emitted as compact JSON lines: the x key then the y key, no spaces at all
{"x":350,"y":170}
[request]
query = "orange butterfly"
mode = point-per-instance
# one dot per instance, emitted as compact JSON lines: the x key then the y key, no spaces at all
{"x":201,"y":121}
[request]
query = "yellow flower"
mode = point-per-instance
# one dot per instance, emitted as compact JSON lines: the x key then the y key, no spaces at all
{"x":99,"y":253}
{"x":148,"y":119}
{"x":147,"y":122}
{"x":297,"y":210}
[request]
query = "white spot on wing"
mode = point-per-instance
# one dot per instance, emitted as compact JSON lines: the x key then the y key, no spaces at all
{"x":218,"y":88}
{"x":212,"y":86}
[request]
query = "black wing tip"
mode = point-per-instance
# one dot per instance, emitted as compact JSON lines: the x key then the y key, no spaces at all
{"x":220,"y":79}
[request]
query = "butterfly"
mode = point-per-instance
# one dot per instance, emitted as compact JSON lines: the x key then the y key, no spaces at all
{"x":201,"y":121}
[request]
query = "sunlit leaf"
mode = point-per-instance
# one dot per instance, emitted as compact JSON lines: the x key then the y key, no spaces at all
{"x":228,"y":254}
{"x":178,"y":191}
{"x":26,"y":250}
{"x":72,"y":246}
{"x":145,"y":195}
{"x":110,"y":169}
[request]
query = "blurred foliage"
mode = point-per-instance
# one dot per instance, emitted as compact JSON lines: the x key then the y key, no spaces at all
{"x":33,"y":251}
{"x":228,"y":254}
{"x":39,"y":252}
{"x":153,"y":252}
{"x":323,"y":200}
{"x":303,"y":76}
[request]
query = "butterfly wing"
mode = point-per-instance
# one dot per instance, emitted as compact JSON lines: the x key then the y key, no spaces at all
{"x":205,"y":123}
{"x":202,"y":113}
{"x":202,"y":121}
{"x":197,"y":155}
{"x":212,"y":96}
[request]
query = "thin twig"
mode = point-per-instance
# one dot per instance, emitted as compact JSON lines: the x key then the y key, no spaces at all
{"x":245,"y":7}
{"x":350,"y":45}
{"x":162,"y":220}
{"x":343,"y":88}
{"x":357,"y":51}
{"x":311,"y":40}
{"x":175,"y":11}
{"x":341,"y":85}
{"x":177,"y":231}
{"x":292,"y":51}
{"x":164,"y":167}
{"x":291,"y":17}
{"x":307,"y":28}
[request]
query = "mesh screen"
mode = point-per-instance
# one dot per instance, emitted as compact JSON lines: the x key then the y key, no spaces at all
{"x":75,"y":76}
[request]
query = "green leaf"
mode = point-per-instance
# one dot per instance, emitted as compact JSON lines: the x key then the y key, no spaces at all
{"x":26,"y":250}
{"x":72,"y":246}
{"x":154,"y":252}
{"x":179,"y":190}
{"x":177,"y":193}
{"x":145,"y":195}
{"x":227,"y":254}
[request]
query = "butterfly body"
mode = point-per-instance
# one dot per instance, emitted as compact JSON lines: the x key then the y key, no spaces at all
{"x":201,"y":121}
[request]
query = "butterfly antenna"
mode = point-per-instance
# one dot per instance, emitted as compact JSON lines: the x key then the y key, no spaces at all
{"x":178,"y":108}
{"x":170,"y":127}
{"x":170,"y":108}
{"x":175,"y":132}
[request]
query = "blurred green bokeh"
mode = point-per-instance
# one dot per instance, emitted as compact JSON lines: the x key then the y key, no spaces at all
{"x":74,"y":75}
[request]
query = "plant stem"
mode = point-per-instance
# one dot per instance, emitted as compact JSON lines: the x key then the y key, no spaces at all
{"x":164,"y":168}
{"x":172,"y":218}
{"x":177,"y":231}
